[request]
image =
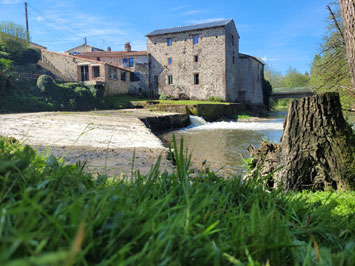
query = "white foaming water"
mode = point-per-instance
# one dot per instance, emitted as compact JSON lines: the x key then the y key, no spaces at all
{"x":198,"y":123}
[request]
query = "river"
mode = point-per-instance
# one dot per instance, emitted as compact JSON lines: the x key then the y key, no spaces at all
{"x":224,"y":144}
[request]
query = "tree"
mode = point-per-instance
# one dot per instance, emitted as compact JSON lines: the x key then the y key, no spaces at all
{"x":13,"y":39}
{"x":347,"y":8}
{"x":295,"y":79}
{"x":273,"y":76}
{"x":329,"y":68}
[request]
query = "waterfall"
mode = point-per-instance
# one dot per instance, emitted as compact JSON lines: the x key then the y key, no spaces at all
{"x":197,"y":121}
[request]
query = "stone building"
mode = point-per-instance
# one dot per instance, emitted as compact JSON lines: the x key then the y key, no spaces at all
{"x":203,"y":60}
{"x":82,"y":49}
{"x":113,"y":79}
{"x":137,"y":62}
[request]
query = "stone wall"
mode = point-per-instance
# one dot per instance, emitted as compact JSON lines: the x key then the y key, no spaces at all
{"x":69,"y":68}
{"x":232,"y":62}
{"x":250,"y":79}
{"x":117,"y":86}
{"x":141,"y":65}
{"x":210,"y":66}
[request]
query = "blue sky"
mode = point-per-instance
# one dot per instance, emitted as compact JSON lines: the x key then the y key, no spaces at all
{"x":283,"y":32}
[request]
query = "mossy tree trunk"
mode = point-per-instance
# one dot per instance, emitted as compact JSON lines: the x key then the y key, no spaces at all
{"x":317,"y":149}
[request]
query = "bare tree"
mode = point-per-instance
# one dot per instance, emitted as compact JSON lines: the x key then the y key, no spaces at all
{"x":347,"y":8}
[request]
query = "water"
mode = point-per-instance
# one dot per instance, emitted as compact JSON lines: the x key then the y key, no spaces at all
{"x":224,"y":144}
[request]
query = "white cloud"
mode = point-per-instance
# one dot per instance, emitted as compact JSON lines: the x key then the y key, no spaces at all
{"x":208,"y":20}
{"x":192,"y":12}
{"x":179,"y":7}
{"x":39,"y":18}
{"x":9,"y":2}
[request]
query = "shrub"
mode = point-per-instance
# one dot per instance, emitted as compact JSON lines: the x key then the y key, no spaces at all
{"x":29,"y":56}
{"x":163,"y":97}
{"x":218,"y":99}
{"x":211,"y":98}
{"x":49,"y":88}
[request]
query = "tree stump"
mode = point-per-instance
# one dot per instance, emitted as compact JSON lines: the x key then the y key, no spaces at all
{"x":317,"y":149}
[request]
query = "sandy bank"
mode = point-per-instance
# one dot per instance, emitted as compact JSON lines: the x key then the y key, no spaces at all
{"x":105,"y":139}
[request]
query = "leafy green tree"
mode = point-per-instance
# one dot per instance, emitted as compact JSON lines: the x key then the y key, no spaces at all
{"x":329,"y":68}
{"x":274,"y":77}
{"x":5,"y":66}
{"x":295,"y":79}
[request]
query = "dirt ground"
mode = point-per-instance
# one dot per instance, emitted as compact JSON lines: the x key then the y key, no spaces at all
{"x":106,"y":140}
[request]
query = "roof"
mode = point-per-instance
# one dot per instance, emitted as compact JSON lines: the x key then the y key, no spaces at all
{"x":88,"y":60}
{"x":81,"y":45}
{"x":113,"y":54}
{"x":252,"y":57}
{"x":219,"y":23}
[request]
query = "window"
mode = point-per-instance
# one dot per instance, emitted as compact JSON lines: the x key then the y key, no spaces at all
{"x":170,"y":79}
{"x":95,"y":71}
{"x":232,"y":40}
{"x":170,"y":60}
{"x":125,"y":62}
{"x":112,"y":73}
{"x":131,"y":62}
{"x":128,"y":62}
{"x":195,"y":39}
{"x":233,"y":59}
{"x":135,"y":76}
{"x":123,"y":76}
{"x":170,"y":42}
{"x":84,"y":73}
{"x":98,"y":58}
{"x":196,"y":79}
{"x":196,"y":58}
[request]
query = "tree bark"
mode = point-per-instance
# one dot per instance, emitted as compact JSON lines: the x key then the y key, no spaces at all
{"x":317,"y":149}
{"x":347,"y":9}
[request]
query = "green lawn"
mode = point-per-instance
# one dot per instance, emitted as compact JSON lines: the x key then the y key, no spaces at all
{"x":52,"y":213}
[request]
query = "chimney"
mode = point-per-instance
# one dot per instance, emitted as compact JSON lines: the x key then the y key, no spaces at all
{"x":109,"y":49}
{"x":127,"y":47}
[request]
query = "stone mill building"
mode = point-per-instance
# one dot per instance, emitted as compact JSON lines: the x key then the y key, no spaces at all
{"x":195,"y":62}
{"x":201,"y":61}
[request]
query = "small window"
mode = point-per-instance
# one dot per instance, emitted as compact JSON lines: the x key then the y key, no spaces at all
{"x":196,"y":58}
{"x":170,"y":60}
{"x":170,"y":79}
{"x":196,"y":79}
{"x":125,"y":62}
{"x":98,"y":58}
{"x":95,"y":71}
{"x":233,"y":40}
{"x":123,"y":76}
{"x":233,"y":59}
{"x":135,"y":76}
{"x":112,"y":73}
{"x":131,"y":62}
{"x":195,"y":39}
{"x":170,"y":42}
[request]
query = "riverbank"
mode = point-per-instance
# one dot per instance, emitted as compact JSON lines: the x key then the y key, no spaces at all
{"x":107,"y":140}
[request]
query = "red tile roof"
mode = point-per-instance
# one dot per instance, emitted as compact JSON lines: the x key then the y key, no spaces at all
{"x":113,"y":54}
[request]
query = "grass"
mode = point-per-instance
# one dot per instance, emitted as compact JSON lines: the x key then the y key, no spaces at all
{"x":189,"y":102}
{"x":56,"y":214}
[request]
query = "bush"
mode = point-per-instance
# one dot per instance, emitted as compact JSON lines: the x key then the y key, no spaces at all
{"x":211,"y":98}
{"x":29,"y":56}
{"x":163,"y":97}
{"x":218,"y":99}
{"x":49,"y":88}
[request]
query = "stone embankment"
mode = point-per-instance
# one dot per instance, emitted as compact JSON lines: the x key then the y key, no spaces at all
{"x":107,"y":140}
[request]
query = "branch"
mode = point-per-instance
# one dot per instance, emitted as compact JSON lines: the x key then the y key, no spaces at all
{"x":336,"y":24}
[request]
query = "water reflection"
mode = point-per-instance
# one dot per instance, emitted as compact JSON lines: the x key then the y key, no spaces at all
{"x":224,"y":144}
